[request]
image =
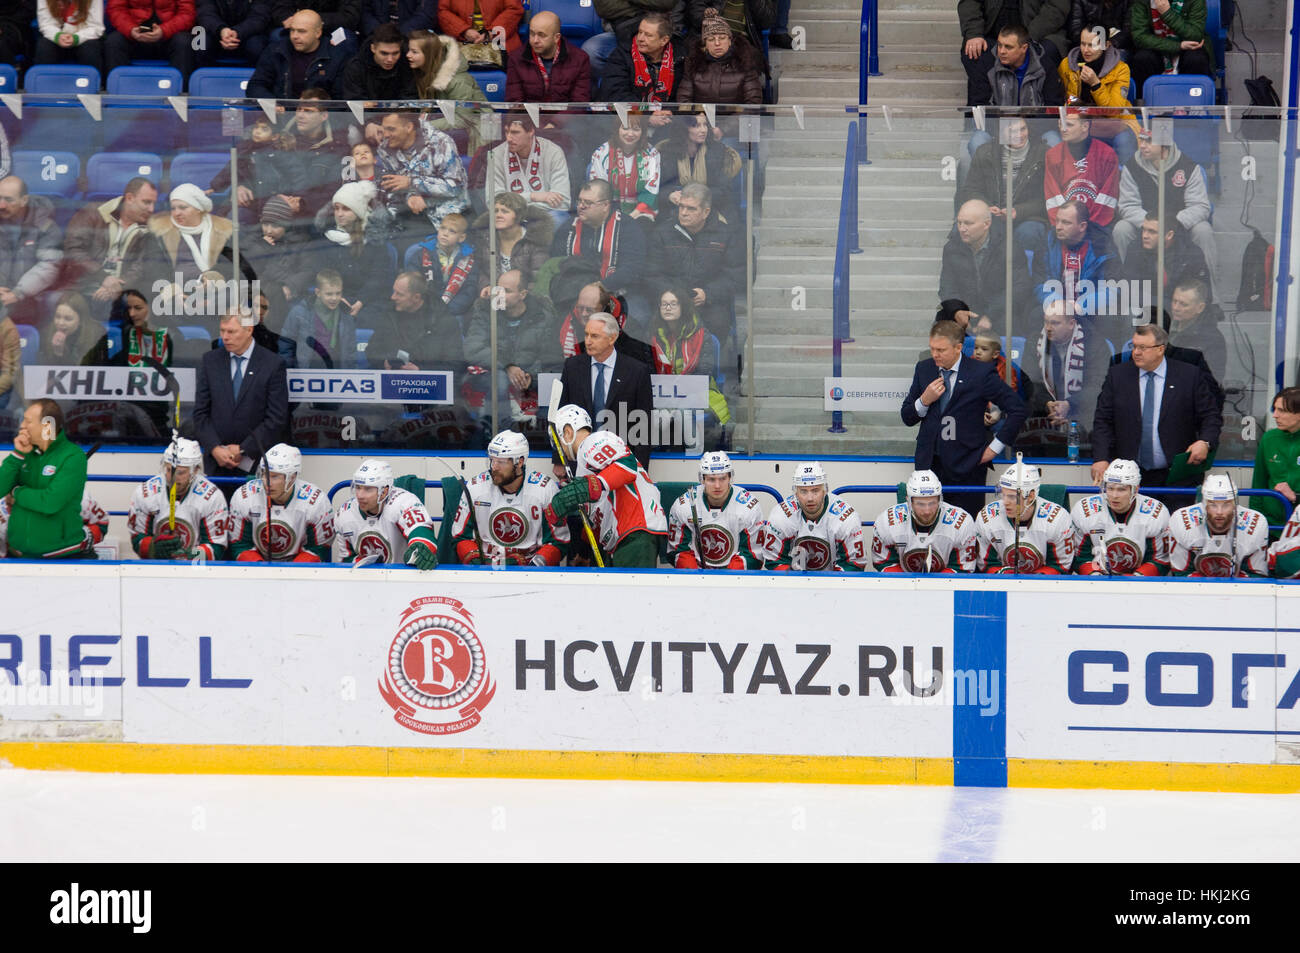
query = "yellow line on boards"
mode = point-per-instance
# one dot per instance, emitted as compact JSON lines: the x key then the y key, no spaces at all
{"x":1154,"y":776}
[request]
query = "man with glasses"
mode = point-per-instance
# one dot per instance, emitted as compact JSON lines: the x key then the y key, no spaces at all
{"x":1151,"y":409}
{"x":610,"y":246}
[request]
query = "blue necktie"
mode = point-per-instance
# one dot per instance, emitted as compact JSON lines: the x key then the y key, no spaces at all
{"x":947,"y":390}
{"x":598,"y":394}
{"x":1147,"y":455}
{"x":238,"y":378}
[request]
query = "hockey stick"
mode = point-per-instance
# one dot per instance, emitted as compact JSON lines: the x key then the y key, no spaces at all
{"x":1232,"y":569}
{"x":173,"y":387}
{"x":695,"y":525}
{"x":1020,"y":505}
{"x":265,"y":476}
{"x":557,"y":389}
{"x":321,"y":352}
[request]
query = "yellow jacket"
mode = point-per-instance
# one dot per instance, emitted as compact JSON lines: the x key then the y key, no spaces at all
{"x":1114,"y":75}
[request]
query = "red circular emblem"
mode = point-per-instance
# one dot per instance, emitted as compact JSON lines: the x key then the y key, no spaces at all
{"x":716,"y":542}
{"x":817,"y":552}
{"x":1214,"y":564}
{"x":373,"y":544}
{"x":1179,"y":179}
{"x":915,"y":560}
{"x":1122,"y":556}
{"x":508,"y":526}
{"x":1023,"y":559}
{"x":281,"y":539}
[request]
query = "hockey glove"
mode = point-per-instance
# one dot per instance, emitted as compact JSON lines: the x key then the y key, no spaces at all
{"x":166,"y":547}
{"x":573,"y":494}
{"x":421,"y":556}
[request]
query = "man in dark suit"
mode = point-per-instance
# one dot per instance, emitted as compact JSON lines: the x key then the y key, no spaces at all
{"x":1151,"y":409}
{"x":242,"y":401}
{"x":948,"y":398}
{"x":610,"y":386}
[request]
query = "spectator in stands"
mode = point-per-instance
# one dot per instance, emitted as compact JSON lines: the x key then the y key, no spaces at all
{"x":70,"y":335}
{"x":314,"y":156}
{"x":380,"y":72}
{"x":988,"y":350}
{"x":15,"y":29}
{"x":441,"y":72}
{"x":982,"y":22}
{"x":448,"y":262}
{"x":1074,"y":263}
{"x":974,"y":269}
{"x":241,"y":400}
{"x":1094,"y":75}
{"x":44,"y":479}
{"x":333,"y":14}
{"x":746,"y":20}
{"x":423,"y":177}
{"x":593,"y":298}
{"x":1186,"y":197}
{"x":31,"y":249}
{"x":622,"y":19}
{"x":100,"y":236}
{"x":723,"y":68}
{"x":494,"y":22}
{"x":1022,"y":72}
{"x":1065,"y":368}
{"x":149,"y":29}
{"x":298,"y":60}
{"x":358,"y":249}
{"x":183,"y":243}
{"x":987,"y":182}
{"x":601,"y":243}
{"x":262,"y":167}
{"x":279,"y":256}
{"x":694,"y":152}
{"x":1171,"y":409}
{"x":136,"y":340}
{"x":524,"y":235}
{"x":11,"y":363}
{"x":407,"y":15}
{"x":703,"y":254}
{"x":1111,"y":14}
{"x":363,"y":164}
{"x":647,"y":71}
{"x":320,"y":329}
{"x":549,"y":69}
{"x":419,"y":327}
{"x":233,"y":28}
{"x":682,"y":345}
{"x":631,"y":165}
{"x":1182,"y":258}
{"x":1083,"y":168}
{"x":70,"y":31}
{"x":1169,"y":36}
{"x":1195,"y":323}
{"x":1277,"y":459}
{"x":532,"y":166}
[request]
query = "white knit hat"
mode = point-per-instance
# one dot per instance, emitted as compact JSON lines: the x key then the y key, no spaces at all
{"x":356,"y":196}
{"x":192,"y":196}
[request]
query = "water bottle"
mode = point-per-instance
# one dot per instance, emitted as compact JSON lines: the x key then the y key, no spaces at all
{"x":1072,"y":447}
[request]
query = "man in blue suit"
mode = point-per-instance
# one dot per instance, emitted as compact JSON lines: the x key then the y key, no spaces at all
{"x":948,"y":398}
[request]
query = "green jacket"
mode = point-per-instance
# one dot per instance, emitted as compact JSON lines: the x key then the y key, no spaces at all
{"x":1277,"y":460}
{"x":45,"y":520}
{"x":1189,"y":25}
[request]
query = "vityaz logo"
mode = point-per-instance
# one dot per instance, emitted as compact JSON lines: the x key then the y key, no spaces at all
{"x":437,"y":680}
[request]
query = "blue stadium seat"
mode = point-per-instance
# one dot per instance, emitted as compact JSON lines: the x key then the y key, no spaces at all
{"x":578,"y":18}
{"x":8,"y":79}
{"x":197,"y":168}
{"x":220,"y":82}
{"x":1196,"y":135}
{"x":61,"y":80}
{"x":31,"y":342}
{"x":192,"y":332}
{"x":108,"y":172}
{"x":363,"y":339}
{"x":150,"y":81}
{"x":1218,"y":16}
{"x":493,"y":82}
{"x":48,"y":173}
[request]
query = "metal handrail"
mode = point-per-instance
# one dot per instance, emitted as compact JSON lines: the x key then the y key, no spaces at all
{"x":846,"y":243}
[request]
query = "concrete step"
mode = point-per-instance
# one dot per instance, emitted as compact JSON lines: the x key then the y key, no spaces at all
{"x":903,"y":29}
{"x":920,"y":208}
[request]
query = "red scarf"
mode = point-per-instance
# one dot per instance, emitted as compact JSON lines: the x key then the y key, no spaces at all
{"x":70,"y":16}
{"x":541,"y":67}
{"x":661,"y":87}
{"x":515,"y":176}
{"x":453,"y":276}
{"x":606,"y":241}
{"x":679,"y":355}
{"x":1072,"y":267}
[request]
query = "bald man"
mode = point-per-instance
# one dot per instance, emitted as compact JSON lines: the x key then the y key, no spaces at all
{"x":31,"y":249}
{"x":549,"y":69}
{"x":299,"y":59}
{"x":974,"y":270}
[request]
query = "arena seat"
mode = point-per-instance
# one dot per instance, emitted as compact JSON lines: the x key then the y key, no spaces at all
{"x":8,"y":79}
{"x":197,"y":168}
{"x":220,"y":82}
{"x":61,"y":80}
{"x":108,"y":172}
{"x":48,"y":173}
{"x":30,"y":338}
{"x":493,"y":82}
{"x":1196,"y":136}
{"x":147,"y":81}
{"x":578,"y":18}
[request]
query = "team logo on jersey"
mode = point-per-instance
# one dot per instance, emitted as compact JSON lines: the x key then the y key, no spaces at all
{"x":1218,"y":565}
{"x":369,"y":543}
{"x":509,"y":525}
{"x":183,"y":531}
{"x":1024,"y":558}
{"x":276,"y":539}
{"x":1123,"y":556}
{"x":1148,"y":505}
{"x":817,"y":553}
{"x":716,"y":543}
{"x":1180,"y":179}
{"x":437,"y":679}
{"x":923,"y":560}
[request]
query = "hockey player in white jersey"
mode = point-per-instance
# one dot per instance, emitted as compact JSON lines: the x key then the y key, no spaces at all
{"x":620,"y":500}
{"x":294,"y":524}
{"x":813,"y":529}
{"x":384,"y":521}
{"x":1119,"y":531}
{"x":505,"y":521}
{"x":1216,"y":537}
{"x":924,"y":534}
{"x":199,"y":526}
{"x":1019,"y":533}
{"x":716,"y":525}
{"x":1284,"y":555}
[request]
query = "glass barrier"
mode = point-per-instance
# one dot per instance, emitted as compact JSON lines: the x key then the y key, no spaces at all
{"x":425,"y":273}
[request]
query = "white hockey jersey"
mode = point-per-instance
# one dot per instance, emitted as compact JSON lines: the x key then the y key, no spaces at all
{"x":510,"y":524}
{"x":93,"y":518}
{"x":630,"y":501}
{"x":832,"y":541}
{"x":386,"y":534}
{"x":305,"y":524}
{"x":201,"y":517}
{"x":1046,"y":541}
{"x":1141,"y":538}
{"x":1193,"y":551}
{"x":949,"y":544}
{"x":729,"y":538}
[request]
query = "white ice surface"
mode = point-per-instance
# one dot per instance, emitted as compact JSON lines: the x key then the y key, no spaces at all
{"x":68,"y":816}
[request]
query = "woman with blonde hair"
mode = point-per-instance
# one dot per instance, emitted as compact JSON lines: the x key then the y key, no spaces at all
{"x":441,"y":72}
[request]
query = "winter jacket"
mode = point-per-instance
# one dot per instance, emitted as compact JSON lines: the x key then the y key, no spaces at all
{"x":30,"y":260}
{"x":412,"y":15}
{"x":423,"y":257}
{"x":11,"y":359}
{"x":1045,"y":20}
{"x":987,"y":180}
{"x":248,"y":18}
{"x":627,"y":261}
{"x":435,"y":170}
{"x":432,"y":339}
{"x":1100,"y":263}
{"x":85,"y":244}
{"x":75,"y":348}
{"x":45,"y":519}
{"x":1113,"y":76}
{"x":624,"y":16}
{"x":981,"y":283}
{"x":174,"y":16}
{"x":303,"y":322}
{"x":288,"y":263}
{"x":529,"y":253}
{"x":1183,"y":259}
{"x":759,"y":16}
{"x":1112,"y":14}
{"x":453,"y":81}
{"x":616,"y":83}
{"x":364,"y":79}
{"x":568,"y":81}
{"x":314,"y":166}
{"x":271,"y":78}
{"x":334,"y":13}
{"x":1041,"y":86}
{"x":721,"y":165}
{"x":1189,"y":25}
{"x":263,"y":170}
{"x":735,"y":77}
{"x":1186,"y":197}
{"x":51,"y":26}
{"x":713,"y":259}
{"x":530,"y":342}
{"x":1093,"y":178}
{"x":456,"y":16}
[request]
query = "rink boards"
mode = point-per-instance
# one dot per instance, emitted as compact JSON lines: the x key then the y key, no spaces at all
{"x":711,"y":676}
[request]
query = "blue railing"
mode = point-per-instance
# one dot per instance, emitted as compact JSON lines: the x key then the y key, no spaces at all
{"x":868,"y":65}
{"x":846,"y":243}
